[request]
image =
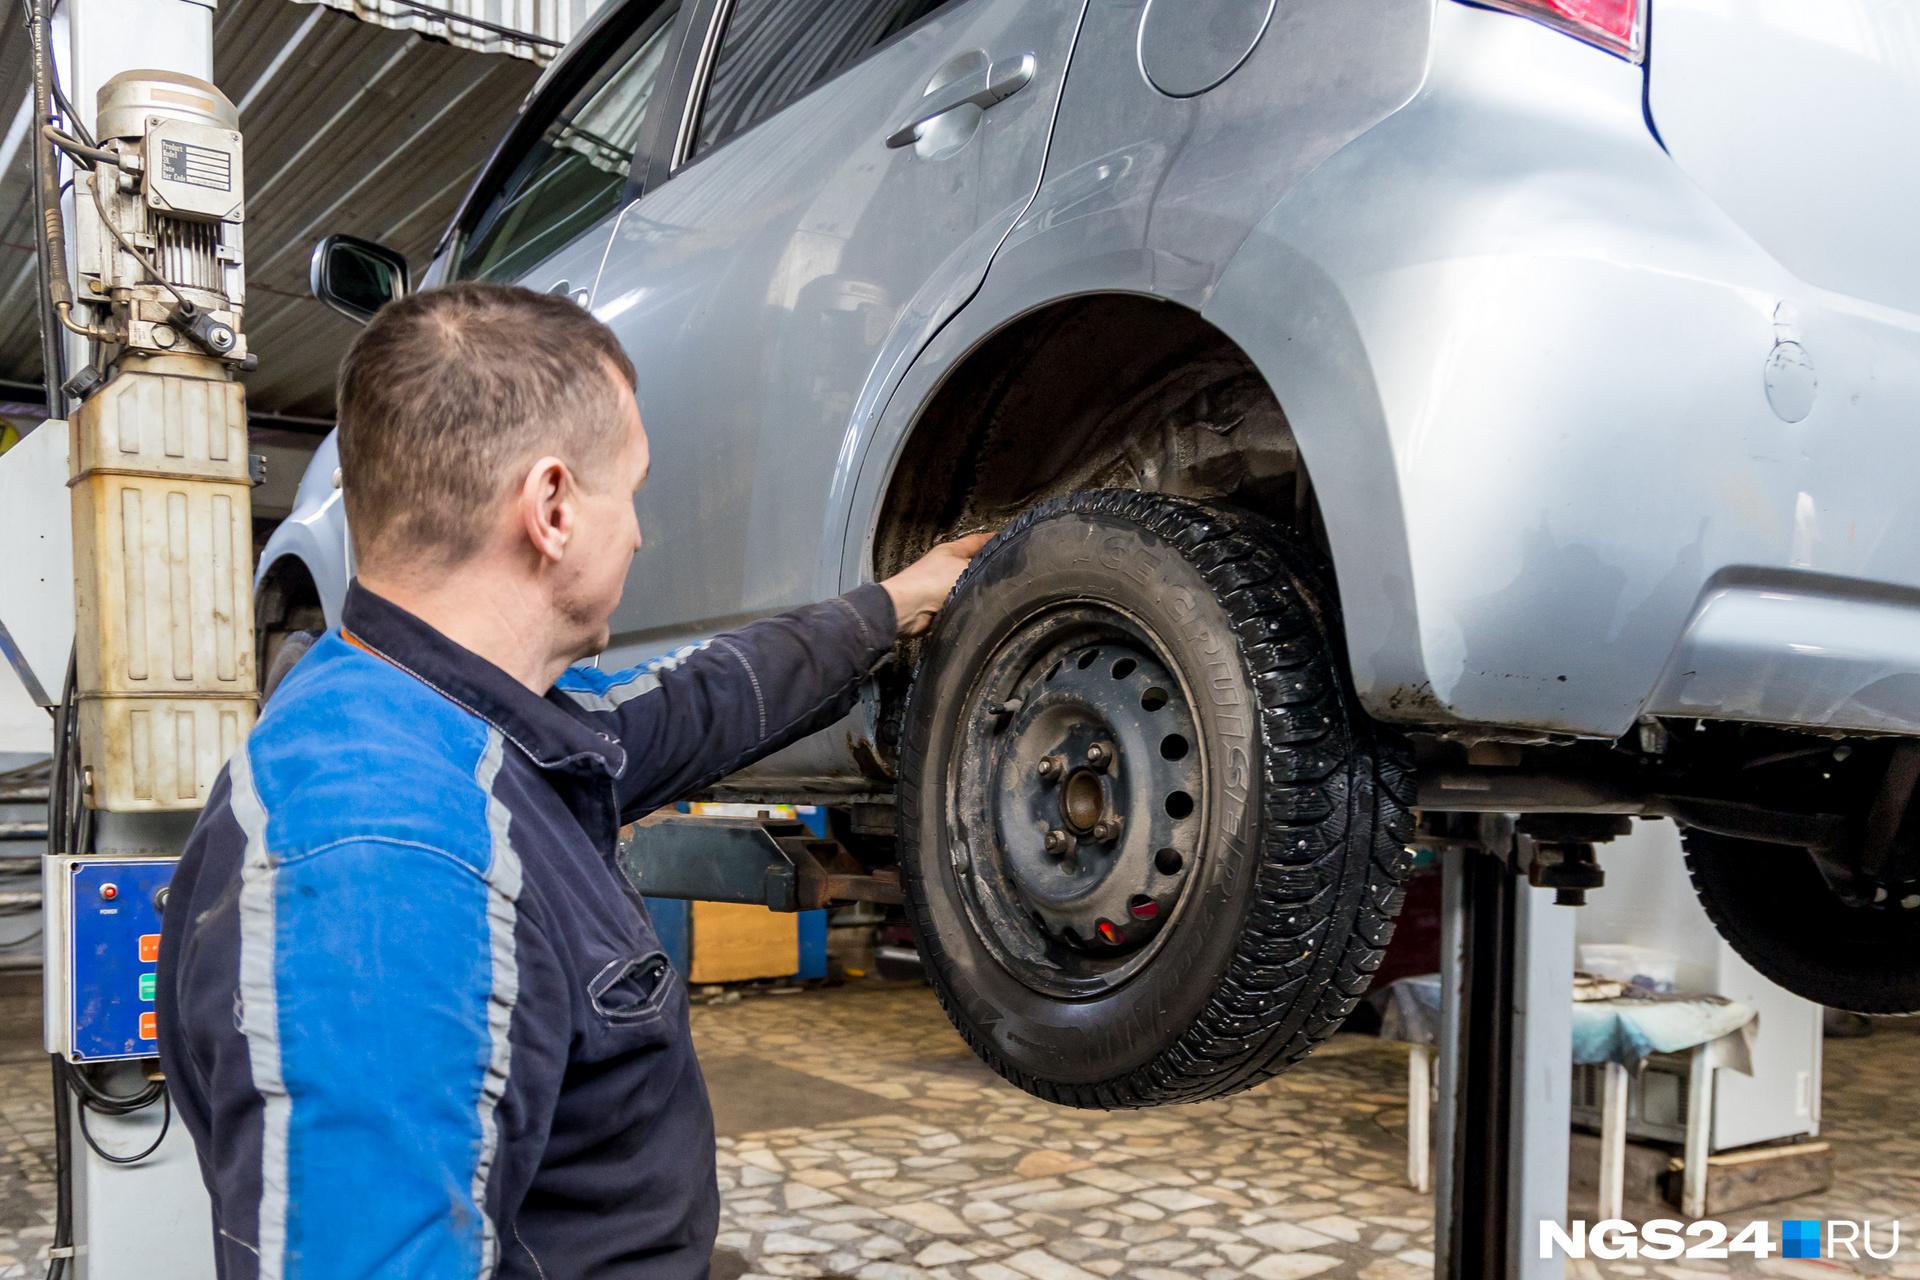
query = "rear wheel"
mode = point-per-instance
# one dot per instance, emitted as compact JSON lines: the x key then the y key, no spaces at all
{"x":1152,"y":846}
{"x":1772,"y":905}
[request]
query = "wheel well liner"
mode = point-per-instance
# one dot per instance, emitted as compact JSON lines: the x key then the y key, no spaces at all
{"x":287,"y":594}
{"x":1102,"y":390}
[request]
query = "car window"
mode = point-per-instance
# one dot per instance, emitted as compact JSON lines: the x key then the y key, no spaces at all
{"x":576,"y":174}
{"x":775,"y":50}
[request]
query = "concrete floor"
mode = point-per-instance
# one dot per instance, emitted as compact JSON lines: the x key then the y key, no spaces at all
{"x":859,"y":1139}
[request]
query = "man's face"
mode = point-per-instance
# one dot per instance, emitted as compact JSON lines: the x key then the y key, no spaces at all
{"x":606,"y":537}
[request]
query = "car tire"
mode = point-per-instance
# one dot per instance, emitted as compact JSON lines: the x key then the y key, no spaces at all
{"x":1771,"y":904}
{"x":283,"y":650}
{"x":1256,"y":908}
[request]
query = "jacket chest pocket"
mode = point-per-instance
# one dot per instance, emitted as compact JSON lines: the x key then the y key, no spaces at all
{"x":634,"y":990}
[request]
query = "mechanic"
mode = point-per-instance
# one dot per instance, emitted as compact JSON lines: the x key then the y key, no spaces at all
{"x":415,"y":1018}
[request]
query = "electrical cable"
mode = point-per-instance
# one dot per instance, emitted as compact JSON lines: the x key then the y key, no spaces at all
{"x":50,"y":243}
{"x":79,"y":150}
{"x":145,"y":262}
{"x":166,"y":1122}
{"x":94,"y":1098}
{"x":69,"y":821}
{"x":62,"y":1248}
{"x":68,"y":116}
{"x":113,"y":1104}
{"x":69,"y":830}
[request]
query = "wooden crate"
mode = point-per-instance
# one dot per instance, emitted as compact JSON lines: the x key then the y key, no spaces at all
{"x":1760,"y":1175}
{"x":733,"y":942}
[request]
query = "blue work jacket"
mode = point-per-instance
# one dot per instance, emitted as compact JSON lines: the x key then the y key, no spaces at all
{"x":414,"y":1016}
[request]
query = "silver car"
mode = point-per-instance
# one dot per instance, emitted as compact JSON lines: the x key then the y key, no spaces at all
{"x":1391,"y":409}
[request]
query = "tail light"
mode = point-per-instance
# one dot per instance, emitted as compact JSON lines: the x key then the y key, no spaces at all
{"x":1618,"y":26}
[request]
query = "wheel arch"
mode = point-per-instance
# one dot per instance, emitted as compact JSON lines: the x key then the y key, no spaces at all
{"x":285,"y":593}
{"x":1098,"y":389}
{"x":1283,"y":311}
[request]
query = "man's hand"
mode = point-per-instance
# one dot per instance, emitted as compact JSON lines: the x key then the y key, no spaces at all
{"x":921,"y":588}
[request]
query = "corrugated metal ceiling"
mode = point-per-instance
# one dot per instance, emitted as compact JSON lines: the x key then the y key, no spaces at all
{"x":349,"y":126}
{"x":534,"y":29}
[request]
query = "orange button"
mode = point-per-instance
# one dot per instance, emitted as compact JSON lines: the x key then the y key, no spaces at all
{"x":149,"y":1027}
{"x":149,"y":948}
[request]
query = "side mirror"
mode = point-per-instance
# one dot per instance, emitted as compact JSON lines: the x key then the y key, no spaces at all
{"x":357,"y":277}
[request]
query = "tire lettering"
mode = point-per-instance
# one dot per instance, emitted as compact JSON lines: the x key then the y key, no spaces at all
{"x":1144,"y":565}
{"x":1239,"y":768}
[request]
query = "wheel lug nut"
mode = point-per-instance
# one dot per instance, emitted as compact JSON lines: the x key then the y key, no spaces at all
{"x":1051,"y":767}
{"x":1107,"y":830}
{"x":1060,"y":843}
{"x":1100,"y":755}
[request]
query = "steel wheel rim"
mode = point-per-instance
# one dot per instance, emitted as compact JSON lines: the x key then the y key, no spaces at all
{"x":1060,"y":685}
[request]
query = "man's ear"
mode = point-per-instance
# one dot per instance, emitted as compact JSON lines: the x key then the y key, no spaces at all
{"x":546,"y":507}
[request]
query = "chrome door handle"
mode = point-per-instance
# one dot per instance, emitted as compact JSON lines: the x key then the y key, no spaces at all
{"x":566,"y":290}
{"x":982,"y":89}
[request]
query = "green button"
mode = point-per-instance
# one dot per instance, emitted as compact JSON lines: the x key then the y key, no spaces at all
{"x":146,"y":986}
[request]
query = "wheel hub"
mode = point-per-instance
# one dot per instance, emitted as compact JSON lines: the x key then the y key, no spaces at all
{"x":1092,"y":787}
{"x":1083,"y":801}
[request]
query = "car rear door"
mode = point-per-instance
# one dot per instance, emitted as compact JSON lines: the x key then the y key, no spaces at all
{"x":800,"y":238}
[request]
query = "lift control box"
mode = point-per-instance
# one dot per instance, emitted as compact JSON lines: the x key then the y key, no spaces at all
{"x":103,"y":922}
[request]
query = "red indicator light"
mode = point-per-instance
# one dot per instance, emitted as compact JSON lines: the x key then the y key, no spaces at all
{"x":108,"y":892}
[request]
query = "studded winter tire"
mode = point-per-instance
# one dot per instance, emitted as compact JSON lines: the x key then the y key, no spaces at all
{"x":1772,"y":905}
{"x":1152,"y":847}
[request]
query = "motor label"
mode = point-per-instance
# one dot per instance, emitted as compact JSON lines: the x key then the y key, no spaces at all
{"x":196,"y":166}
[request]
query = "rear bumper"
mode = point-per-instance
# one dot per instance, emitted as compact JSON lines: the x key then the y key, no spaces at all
{"x":1798,"y":649}
{"x":1619,"y":436}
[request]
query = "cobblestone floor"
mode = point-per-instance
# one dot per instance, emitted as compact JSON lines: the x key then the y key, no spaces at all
{"x":953,"y":1174}
{"x":916,"y":1163}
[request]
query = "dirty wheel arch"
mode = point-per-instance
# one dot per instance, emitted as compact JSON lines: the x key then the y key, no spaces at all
{"x":1152,"y":846}
{"x":287,"y":619}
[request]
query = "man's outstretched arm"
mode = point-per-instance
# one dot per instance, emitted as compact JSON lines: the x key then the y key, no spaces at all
{"x":701,"y":713}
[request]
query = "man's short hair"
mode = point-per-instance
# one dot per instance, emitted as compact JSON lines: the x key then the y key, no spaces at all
{"x":447,"y":391}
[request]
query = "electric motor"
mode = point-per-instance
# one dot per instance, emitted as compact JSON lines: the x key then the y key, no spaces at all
{"x":158,"y":228}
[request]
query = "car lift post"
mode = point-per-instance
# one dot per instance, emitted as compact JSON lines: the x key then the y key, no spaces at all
{"x":1506,"y":1062}
{"x":151,"y":1218}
